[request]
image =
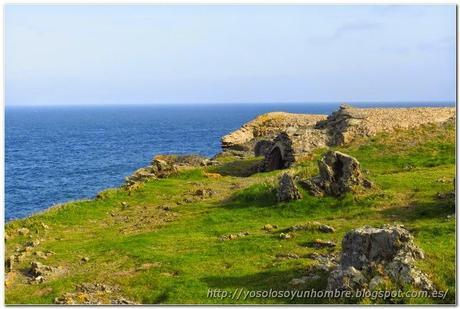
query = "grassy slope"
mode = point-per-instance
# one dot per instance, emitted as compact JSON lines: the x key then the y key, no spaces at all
{"x":175,"y":256}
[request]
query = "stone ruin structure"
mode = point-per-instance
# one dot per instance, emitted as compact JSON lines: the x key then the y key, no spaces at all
{"x":339,"y":173}
{"x":257,"y":136}
{"x":284,"y":138}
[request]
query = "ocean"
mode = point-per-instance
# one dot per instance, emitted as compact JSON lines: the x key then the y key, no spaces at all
{"x":58,"y":154}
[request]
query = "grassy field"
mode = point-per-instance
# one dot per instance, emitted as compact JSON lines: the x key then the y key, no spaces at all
{"x":164,"y":246}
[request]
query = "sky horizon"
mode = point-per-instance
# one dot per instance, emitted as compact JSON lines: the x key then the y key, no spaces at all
{"x":210,"y":54}
{"x":390,"y":103}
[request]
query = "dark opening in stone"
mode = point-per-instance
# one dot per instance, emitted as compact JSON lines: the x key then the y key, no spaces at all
{"x":276,"y":161}
{"x":338,"y":169}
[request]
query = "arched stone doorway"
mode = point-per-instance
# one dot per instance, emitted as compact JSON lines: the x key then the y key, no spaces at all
{"x":275,"y":160}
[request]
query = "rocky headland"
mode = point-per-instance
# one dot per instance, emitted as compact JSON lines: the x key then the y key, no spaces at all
{"x":359,"y":199}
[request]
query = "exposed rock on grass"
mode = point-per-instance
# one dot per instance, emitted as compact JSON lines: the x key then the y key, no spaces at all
{"x":269,"y":227}
{"x":9,"y":263}
{"x":285,"y":236}
{"x":300,"y":282}
{"x":165,"y":165}
{"x":288,"y":256}
{"x":338,"y":174}
{"x":388,"y":252}
{"x":93,"y":294}
{"x":234,"y":236}
{"x":287,"y":190}
{"x":325,"y":262}
{"x":318,"y":243}
{"x":312,"y":226}
{"x":39,"y":272}
{"x":23,"y":231}
{"x":204,"y":193}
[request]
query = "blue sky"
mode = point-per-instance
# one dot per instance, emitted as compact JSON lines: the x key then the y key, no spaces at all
{"x":141,"y":54}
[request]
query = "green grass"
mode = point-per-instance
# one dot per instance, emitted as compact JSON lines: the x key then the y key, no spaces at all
{"x":183,"y":242}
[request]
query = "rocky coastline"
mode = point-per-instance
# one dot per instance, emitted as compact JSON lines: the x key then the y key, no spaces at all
{"x":370,"y":257}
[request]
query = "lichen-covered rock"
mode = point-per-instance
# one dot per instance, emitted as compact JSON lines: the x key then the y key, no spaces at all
{"x":287,"y":190}
{"x":325,"y":262}
{"x":367,"y":245}
{"x":348,"y":278}
{"x":389,"y":250}
{"x":339,"y":173}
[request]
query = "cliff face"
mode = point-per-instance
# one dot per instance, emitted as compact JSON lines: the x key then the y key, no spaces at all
{"x":283,"y":138}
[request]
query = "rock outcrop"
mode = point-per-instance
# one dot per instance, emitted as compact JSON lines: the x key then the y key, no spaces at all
{"x":39,"y":272}
{"x":287,"y":190}
{"x":339,"y":173}
{"x":165,"y":165}
{"x":372,"y":255}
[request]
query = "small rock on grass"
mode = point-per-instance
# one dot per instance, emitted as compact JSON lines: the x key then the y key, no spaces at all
{"x":23,"y":231}
{"x":9,"y":263}
{"x":288,"y":256}
{"x":269,"y":227}
{"x":318,"y":243}
{"x":234,"y":236}
{"x":311,"y":226}
{"x":303,"y":280}
{"x":285,"y":236}
{"x":204,"y":193}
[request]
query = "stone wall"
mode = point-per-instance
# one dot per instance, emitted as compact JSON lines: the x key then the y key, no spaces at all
{"x":348,"y":122}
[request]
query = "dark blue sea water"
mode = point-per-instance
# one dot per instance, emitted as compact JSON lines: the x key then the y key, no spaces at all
{"x":57,"y":154}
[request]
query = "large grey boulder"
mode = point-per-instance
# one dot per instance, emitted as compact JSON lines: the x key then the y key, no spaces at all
{"x":287,"y":190}
{"x":371,"y":254}
{"x":339,"y":173}
{"x":367,"y":245}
